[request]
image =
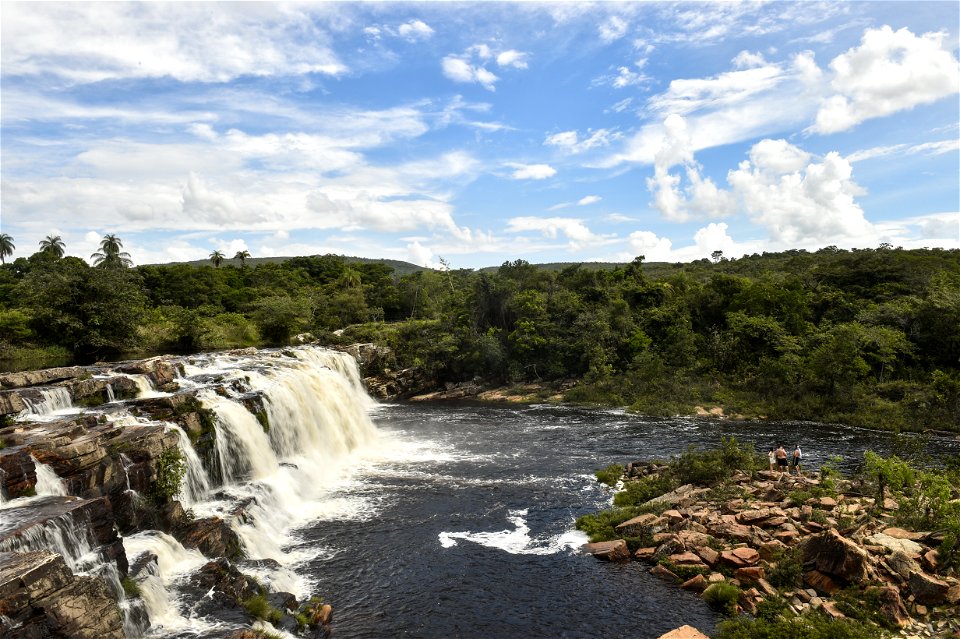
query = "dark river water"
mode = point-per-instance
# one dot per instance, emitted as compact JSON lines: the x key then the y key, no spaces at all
{"x":469,"y":524}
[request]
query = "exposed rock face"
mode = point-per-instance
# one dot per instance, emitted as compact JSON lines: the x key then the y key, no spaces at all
{"x":223,"y":577}
{"x":24,"y":379}
{"x":11,"y":403}
{"x":40,"y":597}
{"x":840,"y":558}
{"x":18,"y":474}
{"x":684,"y":632}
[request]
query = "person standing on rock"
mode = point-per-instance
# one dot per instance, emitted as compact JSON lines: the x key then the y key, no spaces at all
{"x":797,"y":456}
{"x":781,"y":459}
{"x":772,"y":457}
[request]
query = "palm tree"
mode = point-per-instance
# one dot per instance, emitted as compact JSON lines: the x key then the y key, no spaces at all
{"x":6,"y":247}
{"x":53,"y":245}
{"x":110,"y":255}
{"x":217,"y":258}
{"x":242,"y":256}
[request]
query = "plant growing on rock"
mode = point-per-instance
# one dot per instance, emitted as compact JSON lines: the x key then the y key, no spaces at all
{"x":610,"y":475}
{"x":722,"y":596}
{"x":171,"y":467}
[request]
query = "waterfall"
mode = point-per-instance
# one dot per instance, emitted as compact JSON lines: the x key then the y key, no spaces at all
{"x":144,"y":387}
{"x":48,"y":483}
{"x":155,"y":581}
{"x":53,"y":399}
{"x":196,"y":484}
{"x":111,"y":397}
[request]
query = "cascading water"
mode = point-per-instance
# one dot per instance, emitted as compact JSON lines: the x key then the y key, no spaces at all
{"x":196,"y":484}
{"x":52,"y":400}
{"x":48,"y":482}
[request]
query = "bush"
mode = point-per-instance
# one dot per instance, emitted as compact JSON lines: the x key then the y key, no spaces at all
{"x":707,"y":467}
{"x":610,"y":475}
{"x":787,"y":571}
{"x":259,"y":607}
{"x":171,"y":467}
{"x":809,"y":626}
{"x":636,"y":493}
{"x":601,"y":526}
{"x":722,"y":596}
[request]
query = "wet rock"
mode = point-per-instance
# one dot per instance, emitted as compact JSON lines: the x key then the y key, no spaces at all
{"x":42,"y":598}
{"x":160,"y":370}
{"x":223,"y":577}
{"x":213,"y":537}
{"x":664,"y":573}
{"x":43,"y":377}
{"x":11,"y":403}
{"x":18,"y":473}
{"x":608,"y":550}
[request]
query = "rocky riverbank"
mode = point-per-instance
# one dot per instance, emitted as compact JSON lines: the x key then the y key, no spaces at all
{"x":766,"y":542}
{"x":85,"y":460}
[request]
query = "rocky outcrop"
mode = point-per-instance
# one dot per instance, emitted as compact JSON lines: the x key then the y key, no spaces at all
{"x":837,"y":540}
{"x":41,"y":597}
{"x":609,"y":550}
{"x":43,"y":377}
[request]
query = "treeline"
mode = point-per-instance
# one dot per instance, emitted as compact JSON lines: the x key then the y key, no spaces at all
{"x":868,"y":337}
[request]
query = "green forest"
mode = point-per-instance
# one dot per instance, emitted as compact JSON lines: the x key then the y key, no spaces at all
{"x":868,"y":337}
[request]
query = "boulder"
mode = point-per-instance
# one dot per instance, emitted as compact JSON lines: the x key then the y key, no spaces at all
{"x":214,"y":538}
{"x":223,"y":577}
{"x":927,"y":589}
{"x":609,"y":550}
{"x":820,"y":582}
{"x":664,"y":573}
{"x":890,"y":606}
{"x":831,"y":554}
{"x":900,"y":533}
{"x":697,"y":583}
{"x":684,"y":632}
{"x":749,"y":575}
{"x":43,"y":377}
{"x":894,"y":543}
{"x":11,"y":403}
{"x":708,"y":555}
{"x":901,"y":564}
{"x":646,"y":524}
{"x":679,"y":498}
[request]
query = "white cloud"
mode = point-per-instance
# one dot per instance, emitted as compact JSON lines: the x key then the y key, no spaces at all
{"x":651,"y":246}
{"x":799,"y":204}
{"x":102,"y":41}
{"x":415,"y":30}
{"x":576,"y":232}
{"x":531,"y":171}
{"x":613,"y":28}
{"x":512,"y":58}
{"x":588,"y":199}
{"x":570,"y":140}
{"x":460,"y":70}
{"x":890,"y":71}
{"x":748,"y":60}
{"x":626,"y":77}
{"x":420,"y":255}
{"x":925,"y":148}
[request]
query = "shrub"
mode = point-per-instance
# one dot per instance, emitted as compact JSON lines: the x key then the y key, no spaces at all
{"x":722,"y":596}
{"x":707,"y":467}
{"x":787,"y":571}
{"x":809,"y":626}
{"x":638,"y":492}
{"x":171,"y":467}
{"x":601,"y":526}
{"x":259,"y":607}
{"x":130,"y":587}
{"x":610,"y":475}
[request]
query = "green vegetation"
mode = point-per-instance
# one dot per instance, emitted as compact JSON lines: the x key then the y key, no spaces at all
{"x":865,"y":337}
{"x":610,"y":475}
{"x":130,"y":587}
{"x":810,"y":626}
{"x":171,"y":467}
{"x":260,"y":608}
{"x":706,"y":468}
{"x":722,"y":596}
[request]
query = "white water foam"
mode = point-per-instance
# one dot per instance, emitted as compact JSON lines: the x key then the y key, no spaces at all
{"x":55,"y":400}
{"x":517,"y":541}
{"x":48,"y":482}
{"x":173,"y":562}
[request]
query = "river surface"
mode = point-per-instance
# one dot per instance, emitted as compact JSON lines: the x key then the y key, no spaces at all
{"x":466,"y":529}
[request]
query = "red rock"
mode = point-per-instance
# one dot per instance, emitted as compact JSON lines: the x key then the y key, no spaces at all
{"x":748,"y":556}
{"x":727,"y":557}
{"x":768,"y":550}
{"x":708,"y":555}
{"x":686,"y":559}
{"x":684,"y":632}
{"x":827,"y":503}
{"x":647,"y":523}
{"x":900,"y":533}
{"x":765,"y":586}
{"x":751,"y":574}
{"x":890,"y":606}
{"x":674,"y":516}
{"x":953,"y":595}
{"x":645,"y":554}
{"x":931,"y":560}
{"x":664,"y":573}
{"x":838,"y":557}
{"x":820,"y":582}
{"x":786,"y":536}
{"x":697,"y":583}
{"x":831,"y":609}
{"x":609,"y":550}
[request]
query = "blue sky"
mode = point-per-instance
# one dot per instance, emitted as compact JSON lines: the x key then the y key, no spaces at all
{"x":480,"y":132}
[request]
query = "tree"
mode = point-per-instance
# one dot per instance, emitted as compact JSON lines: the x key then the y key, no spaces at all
{"x":52,"y":245}
{"x":242,"y":256}
{"x":6,"y":247}
{"x":217,"y":258}
{"x":110,"y":255}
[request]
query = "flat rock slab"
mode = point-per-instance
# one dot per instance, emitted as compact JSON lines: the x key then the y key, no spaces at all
{"x":609,"y":550}
{"x":894,"y":544}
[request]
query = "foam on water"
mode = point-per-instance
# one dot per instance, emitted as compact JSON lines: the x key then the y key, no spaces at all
{"x":48,"y":482}
{"x":517,"y":541}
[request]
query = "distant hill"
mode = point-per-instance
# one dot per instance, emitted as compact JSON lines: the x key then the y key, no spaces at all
{"x":400,"y":267}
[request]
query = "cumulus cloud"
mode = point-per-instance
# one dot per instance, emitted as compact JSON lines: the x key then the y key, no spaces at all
{"x":470,"y":66}
{"x":415,"y":30}
{"x":531,"y":171}
{"x":651,"y":246}
{"x":890,"y":71}
{"x":459,"y":69}
{"x":102,"y":41}
{"x":512,"y":58}
{"x":420,"y":254}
